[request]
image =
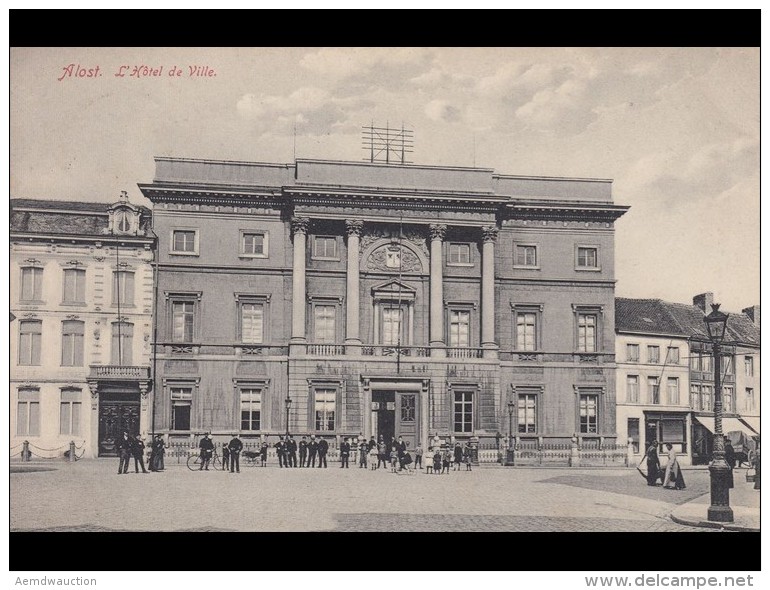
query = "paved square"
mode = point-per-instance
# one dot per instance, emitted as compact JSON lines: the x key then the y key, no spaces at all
{"x":89,"y":495}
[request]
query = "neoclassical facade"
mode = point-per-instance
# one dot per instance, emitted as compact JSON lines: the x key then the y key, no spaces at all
{"x":81,"y":324}
{"x":361,"y":299}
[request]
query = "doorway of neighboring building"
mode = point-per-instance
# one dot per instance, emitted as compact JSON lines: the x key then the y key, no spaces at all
{"x":118,"y":412}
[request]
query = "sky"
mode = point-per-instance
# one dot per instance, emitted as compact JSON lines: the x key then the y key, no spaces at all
{"x":677,"y":129}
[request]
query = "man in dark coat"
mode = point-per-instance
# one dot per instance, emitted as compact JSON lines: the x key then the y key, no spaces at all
{"x":302,"y":452}
{"x":323,"y":448}
{"x":653,"y":464}
{"x":280,"y":450}
{"x":137,"y":450}
{"x":235,"y":446}
{"x":263,"y":454}
{"x":123,"y":446}
{"x":291,"y":447}
{"x":207,"y":450}
{"x":458,"y":453}
{"x":344,"y":454}
{"x":730,"y":459}
{"x":312,"y":449}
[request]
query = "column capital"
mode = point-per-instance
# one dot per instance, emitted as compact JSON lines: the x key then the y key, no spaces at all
{"x":299,"y":225}
{"x":354,"y":227}
{"x":489,"y":233}
{"x":437,"y":231}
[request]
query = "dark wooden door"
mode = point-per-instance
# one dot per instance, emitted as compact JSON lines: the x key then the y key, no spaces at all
{"x":407,"y":418}
{"x":115,"y":417}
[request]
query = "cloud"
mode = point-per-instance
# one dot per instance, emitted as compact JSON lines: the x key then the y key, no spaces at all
{"x":442,"y":110}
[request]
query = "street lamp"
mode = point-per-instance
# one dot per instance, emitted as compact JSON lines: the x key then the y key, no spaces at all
{"x":719,"y":510}
{"x":511,"y":408}
{"x":287,"y":401}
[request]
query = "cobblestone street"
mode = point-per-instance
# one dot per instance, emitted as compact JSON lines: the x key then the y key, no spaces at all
{"x":90,"y":496}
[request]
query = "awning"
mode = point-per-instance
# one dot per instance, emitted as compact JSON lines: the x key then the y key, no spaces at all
{"x":728,"y":424}
{"x":752,"y":422}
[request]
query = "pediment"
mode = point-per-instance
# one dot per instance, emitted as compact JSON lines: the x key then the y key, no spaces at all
{"x":394,"y":288}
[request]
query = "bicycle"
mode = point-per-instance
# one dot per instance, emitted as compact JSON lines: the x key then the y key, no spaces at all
{"x":194,"y":462}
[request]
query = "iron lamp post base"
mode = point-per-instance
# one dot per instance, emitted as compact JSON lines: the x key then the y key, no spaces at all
{"x":720,"y":510}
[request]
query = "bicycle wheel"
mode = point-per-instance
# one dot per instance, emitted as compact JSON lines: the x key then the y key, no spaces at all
{"x":216,"y":462}
{"x":193,"y":462}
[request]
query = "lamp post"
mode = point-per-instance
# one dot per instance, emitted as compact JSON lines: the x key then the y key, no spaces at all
{"x":511,"y":407}
{"x":287,"y":401}
{"x":719,"y":510}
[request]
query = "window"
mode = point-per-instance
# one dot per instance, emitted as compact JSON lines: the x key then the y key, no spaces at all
{"x":325,"y":247}
{"x":28,"y":413}
{"x":525,"y":256}
{"x":459,"y":327}
{"x":632,"y":353}
{"x":705,"y":395}
{"x":463,"y":411}
{"x":727,"y":365}
{"x":633,"y":433}
{"x":251,"y":408}
{"x":459,"y":253}
{"x":181,"y":404}
{"x":254,"y":244}
{"x":672,"y":391}
{"x":586,"y":332}
{"x":707,"y":363}
{"x":727,"y":399}
{"x":122,"y":343}
{"x":653,"y":390}
{"x":30,"y":340}
{"x":393,"y":329}
{"x":72,"y":332}
{"x":589,"y":418}
{"x":672,"y":430}
{"x":122,"y":288}
{"x":182,"y":321}
{"x":695,"y":360}
{"x":673,"y":355}
{"x":69,"y":412}
{"x":748,"y":365}
{"x":632,"y":389}
{"x":527,"y":413}
{"x":252,"y":323}
{"x":695,"y":397}
{"x":325,"y":323}
{"x":407,"y":407}
{"x":587,"y":258}
{"x":184,"y":241}
{"x":749,"y":405}
{"x":653,"y":354}
{"x":74,"y":285}
{"x":526,"y":330}
{"x":325,"y":405}
{"x":31,"y":283}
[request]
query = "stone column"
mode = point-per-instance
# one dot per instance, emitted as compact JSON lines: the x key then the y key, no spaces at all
{"x":489,"y":235}
{"x":299,"y":227}
{"x":93,"y":449}
{"x":144,"y":418}
{"x":352,"y":323}
{"x":437,"y":233}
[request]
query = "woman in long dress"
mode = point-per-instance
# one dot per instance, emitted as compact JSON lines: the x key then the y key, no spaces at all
{"x":653,"y":464}
{"x":673,"y":478}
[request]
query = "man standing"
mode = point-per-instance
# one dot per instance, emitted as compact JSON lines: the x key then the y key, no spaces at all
{"x":235,"y":446}
{"x":207,"y":450}
{"x":323,"y":448}
{"x":292,"y":449}
{"x":280,"y":450}
{"x":302,"y":452}
{"x":401,"y":449}
{"x":418,"y":457}
{"x":363,"y":451}
{"x":137,"y":450}
{"x":344,"y":454}
{"x":312,"y":449}
{"x":124,"y":450}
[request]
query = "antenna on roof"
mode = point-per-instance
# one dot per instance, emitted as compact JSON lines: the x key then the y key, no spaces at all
{"x":388,"y":145}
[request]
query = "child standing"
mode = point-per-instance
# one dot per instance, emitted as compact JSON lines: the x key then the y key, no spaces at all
{"x":446,"y":462}
{"x":429,"y":461}
{"x":373,"y":454}
{"x":394,"y":460}
{"x":418,"y":457}
{"x":467,"y":457}
{"x":225,"y":457}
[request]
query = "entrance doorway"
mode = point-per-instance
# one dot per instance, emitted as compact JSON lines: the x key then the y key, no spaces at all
{"x":395,"y":414}
{"x":118,"y":412}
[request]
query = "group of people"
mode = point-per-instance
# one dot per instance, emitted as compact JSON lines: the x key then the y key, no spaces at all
{"x":671,"y":477}
{"x":128,"y":447}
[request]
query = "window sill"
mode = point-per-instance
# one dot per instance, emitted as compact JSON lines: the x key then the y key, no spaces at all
{"x":74,"y":303}
{"x":31,"y":302}
{"x":249,"y":256}
{"x":588,"y":269}
{"x":123,"y":305}
{"x":324,"y":258}
{"x":525,"y":267}
{"x":464,"y":264}
{"x":183,"y":254}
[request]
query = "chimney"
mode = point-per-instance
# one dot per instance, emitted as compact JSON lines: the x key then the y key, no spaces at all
{"x":753,"y":313}
{"x":703,"y":301}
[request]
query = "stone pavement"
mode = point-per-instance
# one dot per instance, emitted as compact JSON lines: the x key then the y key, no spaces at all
{"x":744,"y":500}
{"x":90,"y":496}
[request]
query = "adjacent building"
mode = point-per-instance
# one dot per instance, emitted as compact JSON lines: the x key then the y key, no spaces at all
{"x":81,"y":324}
{"x":364,"y":299}
{"x":666,"y":375}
